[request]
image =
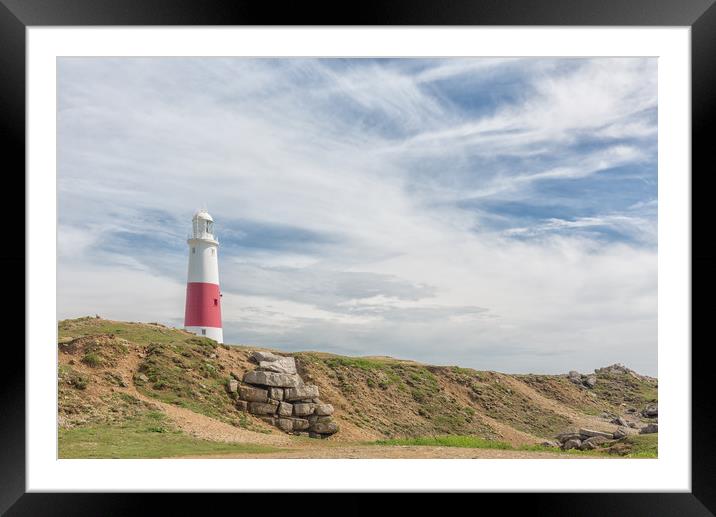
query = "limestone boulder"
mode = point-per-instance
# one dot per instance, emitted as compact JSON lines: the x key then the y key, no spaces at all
{"x":300,"y":424}
{"x":550,"y":443}
{"x":242,"y":405}
{"x":261,"y":408}
{"x":279,"y":380}
{"x":251,"y":394}
{"x":324,"y":409}
{"x":324,"y":427}
{"x":572,"y":443}
{"x":280,"y":365}
{"x":232,"y":386}
{"x":588,"y":433}
{"x":285,"y":424}
{"x":258,"y":356}
{"x":285,"y":409}
{"x":649,"y":429}
{"x":619,"y":433}
{"x":651,"y":411}
{"x":590,"y":381}
{"x":303,"y":409}
{"x":563,"y":437}
{"x":306,"y":391}
{"x":592,"y":443}
{"x":315,"y":418}
{"x":275,"y":393}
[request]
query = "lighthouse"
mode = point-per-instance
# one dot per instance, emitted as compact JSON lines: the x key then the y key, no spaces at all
{"x":203,"y":298}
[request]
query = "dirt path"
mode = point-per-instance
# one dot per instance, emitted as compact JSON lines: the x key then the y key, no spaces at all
{"x":196,"y":424}
{"x":326,"y":451}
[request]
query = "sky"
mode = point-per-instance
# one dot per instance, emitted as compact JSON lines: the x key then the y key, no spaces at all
{"x":493,"y":213}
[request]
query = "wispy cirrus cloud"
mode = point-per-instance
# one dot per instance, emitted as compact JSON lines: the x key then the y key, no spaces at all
{"x":496,"y":213}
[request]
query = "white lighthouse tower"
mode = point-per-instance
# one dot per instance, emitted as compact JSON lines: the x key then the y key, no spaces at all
{"x":203,"y":298}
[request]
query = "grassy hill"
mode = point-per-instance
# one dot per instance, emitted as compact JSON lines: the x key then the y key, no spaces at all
{"x":146,"y":390}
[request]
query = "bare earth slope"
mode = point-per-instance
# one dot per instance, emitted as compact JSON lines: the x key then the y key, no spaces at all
{"x":113,"y":374}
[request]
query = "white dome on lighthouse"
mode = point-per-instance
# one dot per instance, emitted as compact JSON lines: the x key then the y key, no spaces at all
{"x":202,"y":214}
{"x":202,"y":226}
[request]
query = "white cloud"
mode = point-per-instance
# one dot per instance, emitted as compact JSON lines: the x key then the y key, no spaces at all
{"x":333,"y":151}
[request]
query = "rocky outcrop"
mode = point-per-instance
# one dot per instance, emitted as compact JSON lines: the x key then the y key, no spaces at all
{"x":651,"y":411}
{"x":587,"y":381}
{"x":649,"y":429}
{"x":276,"y":393}
{"x":587,"y":439}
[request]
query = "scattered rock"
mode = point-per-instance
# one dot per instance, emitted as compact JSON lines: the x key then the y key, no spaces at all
{"x":572,"y":443}
{"x":620,"y":433}
{"x":649,"y":429}
{"x":590,"y":381}
{"x":575,"y":377}
{"x":569,"y":436}
{"x":590,"y":432}
{"x":619,"y":421}
{"x":143,"y":377}
{"x":633,"y":425}
{"x":550,"y":444}
{"x":592,"y":443}
{"x":631,"y":410}
{"x":651,"y":410}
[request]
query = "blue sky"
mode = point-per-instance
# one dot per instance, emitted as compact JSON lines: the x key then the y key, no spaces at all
{"x":492,"y":213}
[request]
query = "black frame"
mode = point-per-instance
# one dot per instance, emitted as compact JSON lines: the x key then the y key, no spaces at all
{"x":700,"y":15}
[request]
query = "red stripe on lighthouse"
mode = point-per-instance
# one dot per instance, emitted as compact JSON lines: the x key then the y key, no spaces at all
{"x":203,"y":305}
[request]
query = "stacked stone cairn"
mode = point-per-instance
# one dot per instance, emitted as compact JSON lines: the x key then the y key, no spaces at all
{"x":276,"y":393}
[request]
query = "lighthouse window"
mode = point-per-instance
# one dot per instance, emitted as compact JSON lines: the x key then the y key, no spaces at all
{"x":193,"y":250}
{"x":203,"y":332}
{"x":212,"y":251}
{"x":216,"y":301}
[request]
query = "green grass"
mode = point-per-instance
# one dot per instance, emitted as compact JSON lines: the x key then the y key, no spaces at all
{"x":640,"y":446}
{"x":361,"y":363}
{"x":89,"y":326}
{"x":643,"y":446}
{"x":147,"y":436}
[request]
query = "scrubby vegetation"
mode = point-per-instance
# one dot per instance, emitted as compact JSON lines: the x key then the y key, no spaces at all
{"x":115,"y":378}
